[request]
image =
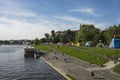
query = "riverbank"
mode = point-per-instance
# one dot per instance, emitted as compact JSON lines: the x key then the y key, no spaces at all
{"x":77,"y":68}
{"x":67,"y":65}
{"x":56,"y":69}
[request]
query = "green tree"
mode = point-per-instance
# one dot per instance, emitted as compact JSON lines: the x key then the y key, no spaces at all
{"x":47,"y":37}
{"x":56,"y":39}
{"x":78,"y":37}
{"x":53,"y":35}
{"x":42,"y":40}
{"x":63,"y":38}
{"x":69,"y":35}
{"x":87,"y":32}
{"x":111,"y":31}
{"x":99,"y":36}
{"x":36,"y":41}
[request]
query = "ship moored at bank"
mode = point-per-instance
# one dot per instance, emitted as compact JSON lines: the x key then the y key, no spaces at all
{"x":30,"y":51}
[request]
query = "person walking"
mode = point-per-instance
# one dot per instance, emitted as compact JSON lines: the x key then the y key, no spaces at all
{"x":92,"y":74}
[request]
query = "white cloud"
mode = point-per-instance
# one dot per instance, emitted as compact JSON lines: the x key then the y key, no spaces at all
{"x":102,"y":25}
{"x":12,"y":8}
{"x":20,"y":29}
{"x":76,"y":22}
{"x":90,"y":11}
{"x":72,"y":19}
{"x":118,"y":20}
{"x":18,"y":22}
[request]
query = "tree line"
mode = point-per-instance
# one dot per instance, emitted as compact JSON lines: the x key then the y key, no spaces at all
{"x":87,"y":32}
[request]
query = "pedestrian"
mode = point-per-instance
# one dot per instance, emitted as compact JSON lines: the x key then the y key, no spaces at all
{"x":65,"y":59}
{"x":92,"y":74}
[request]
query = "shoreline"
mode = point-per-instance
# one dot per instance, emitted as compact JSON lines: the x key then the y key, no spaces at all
{"x":79,"y":69}
{"x":56,"y":69}
{"x":67,"y":65}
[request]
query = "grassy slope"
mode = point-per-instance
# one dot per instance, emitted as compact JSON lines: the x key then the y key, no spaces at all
{"x":103,"y":51}
{"x":81,"y":55}
{"x":43,"y":47}
{"x":117,"y":69}
{"x":109,"y":52}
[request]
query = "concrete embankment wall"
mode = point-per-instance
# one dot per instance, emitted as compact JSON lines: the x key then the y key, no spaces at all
{"x":56,"y":69}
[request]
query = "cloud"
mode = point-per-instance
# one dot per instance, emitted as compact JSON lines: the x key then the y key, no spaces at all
{"x":72,"y":19}
{"x":89,"y":11}
{"x":25,"y":29}
{"x":77,"y":21}
{"x":102,"y":25}
{"x":18,"y":22}
{"x":21,"y":29}
{"x":13,"y":8}
{"x":118,"y":21}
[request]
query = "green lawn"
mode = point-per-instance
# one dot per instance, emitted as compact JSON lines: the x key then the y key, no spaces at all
{"x":103,"y":51}
{"x":43,"y":47}
{"x":81,"y":55}
{"x":117,"y":69}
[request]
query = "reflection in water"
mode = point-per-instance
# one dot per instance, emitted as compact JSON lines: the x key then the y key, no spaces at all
{"x":13,"y":66}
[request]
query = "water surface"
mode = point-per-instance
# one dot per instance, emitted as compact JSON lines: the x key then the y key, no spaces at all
{"x":13,"y":66}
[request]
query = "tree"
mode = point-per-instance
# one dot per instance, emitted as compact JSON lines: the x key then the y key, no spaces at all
{"x":36,"y":41}
{"x":69,"y":35}
{"x":56,"y":39}
{"x":78,"y":37}
{"x":63,"y":38}
{"x":66,"y":37}
{"x":99,"y":36}
{"x":52,"y":35}
{"x":111,"y":31}
{"x":42,"y":40}
{"x":87,"y":32}
{"x":47,"y":37}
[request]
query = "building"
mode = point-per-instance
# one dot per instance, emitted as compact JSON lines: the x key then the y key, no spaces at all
{"x":63,"y":32}
{"x":60,"y":33}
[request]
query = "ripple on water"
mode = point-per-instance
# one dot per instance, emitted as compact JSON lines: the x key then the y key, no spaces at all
{"x":13,"y":66}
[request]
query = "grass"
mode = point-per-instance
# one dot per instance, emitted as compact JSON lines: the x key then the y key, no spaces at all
{"x":43,"y":47}
{"x":117,"y":69}
{"x":81,"y":55}
{"x":104,"y":51}
{"x":72,"y":78}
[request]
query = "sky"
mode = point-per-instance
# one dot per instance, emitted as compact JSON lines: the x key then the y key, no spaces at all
{"x":30,"y":19}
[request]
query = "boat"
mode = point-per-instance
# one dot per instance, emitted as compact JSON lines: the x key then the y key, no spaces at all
{"x":32,"y":52}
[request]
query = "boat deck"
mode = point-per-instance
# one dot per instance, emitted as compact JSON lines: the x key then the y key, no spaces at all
{"x":32,"y":52}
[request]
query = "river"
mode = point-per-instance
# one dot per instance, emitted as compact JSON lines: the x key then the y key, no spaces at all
{"x":13,"y":66}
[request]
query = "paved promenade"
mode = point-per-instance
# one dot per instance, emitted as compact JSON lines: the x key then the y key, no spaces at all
{"x":79,"y":69}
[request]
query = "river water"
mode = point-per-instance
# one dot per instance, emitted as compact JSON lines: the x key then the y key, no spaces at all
{"x":13,"y":66}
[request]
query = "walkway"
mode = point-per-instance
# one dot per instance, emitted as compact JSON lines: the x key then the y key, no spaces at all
{"x":108,"y":65}
{"x":80,"y":69}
